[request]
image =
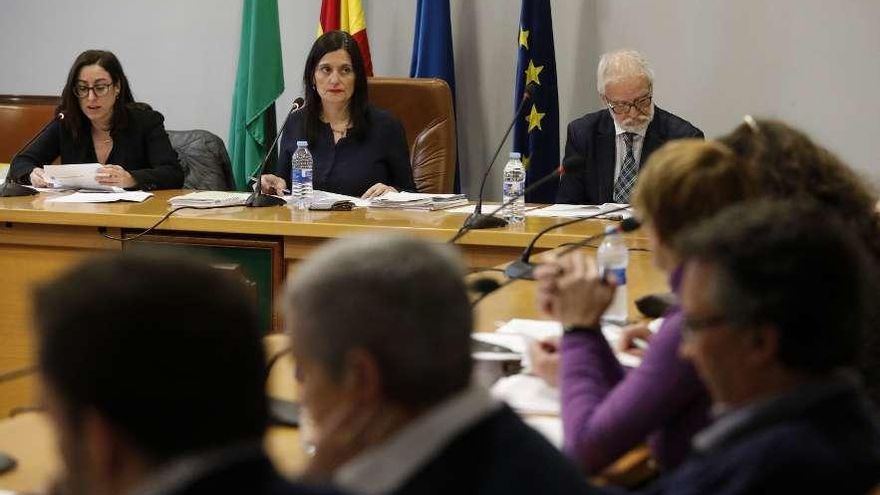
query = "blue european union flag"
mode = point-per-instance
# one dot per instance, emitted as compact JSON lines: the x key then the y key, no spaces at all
{"x":432,"y":54}
{"x":536,"y":134}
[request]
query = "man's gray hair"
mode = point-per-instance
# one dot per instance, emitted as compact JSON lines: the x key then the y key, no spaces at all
{"x":621,"y":64}
{"x":401,"y":299}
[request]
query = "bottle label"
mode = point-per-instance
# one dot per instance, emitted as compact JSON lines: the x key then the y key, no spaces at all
{"x":512,"y":188}
{"x":301,"y":176}
{"x":619,"y":275}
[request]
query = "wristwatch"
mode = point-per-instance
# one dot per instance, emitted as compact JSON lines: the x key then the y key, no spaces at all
{"x":567,"y":329}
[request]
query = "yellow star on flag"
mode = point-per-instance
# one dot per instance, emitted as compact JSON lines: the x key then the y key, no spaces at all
{"x":526,"y":160}
{"x":524,"y":38}
{"x":534,"y":119}
{"x":532,"y":72}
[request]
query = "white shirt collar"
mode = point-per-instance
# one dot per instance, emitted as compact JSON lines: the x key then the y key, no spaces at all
{"x":385,"y":467}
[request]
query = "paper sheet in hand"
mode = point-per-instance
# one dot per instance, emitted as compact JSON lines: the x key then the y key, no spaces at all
{"x":77,"y":176}
{"x":577,"y":211}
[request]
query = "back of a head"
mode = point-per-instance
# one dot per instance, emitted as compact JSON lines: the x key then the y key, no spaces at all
{"x":166,"y":349}
{"x":790,"y":165}
{"x":793,"y":267}
{"x":402,"y":299}
{"x":688,"y":180}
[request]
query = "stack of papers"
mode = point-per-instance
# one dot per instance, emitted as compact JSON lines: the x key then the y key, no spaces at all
{"x":418,"y":201}
{"x":209,"y":199}
{"x":101,"y":197}
{"x":577,"y":211}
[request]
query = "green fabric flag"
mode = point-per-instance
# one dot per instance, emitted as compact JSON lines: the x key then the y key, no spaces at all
{"x":258,"y":83}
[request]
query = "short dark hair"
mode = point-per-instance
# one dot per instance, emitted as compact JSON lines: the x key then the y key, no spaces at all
{"x":791,"y":266}
{"x":401,"y":299}
{"x":74,"y":119}
{"x":167,"y":349}
{"x":357,"y":107}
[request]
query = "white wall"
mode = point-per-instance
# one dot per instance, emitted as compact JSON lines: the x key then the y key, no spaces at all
{"x":811,"y":62}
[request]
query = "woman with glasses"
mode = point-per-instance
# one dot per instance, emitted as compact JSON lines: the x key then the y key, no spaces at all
{"x":606,"y":411}
{"x":101,"y":123}
{"x":358,"y":149}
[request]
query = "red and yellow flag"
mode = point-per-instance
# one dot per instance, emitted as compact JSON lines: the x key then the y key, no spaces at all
{"x":348,"y":16}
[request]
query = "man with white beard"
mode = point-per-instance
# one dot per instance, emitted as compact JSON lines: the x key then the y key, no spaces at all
{"x":615,"y":141}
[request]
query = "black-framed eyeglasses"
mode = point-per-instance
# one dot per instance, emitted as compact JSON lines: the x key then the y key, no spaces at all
{"x":691,"y":326}
{"x":642,"y":104}
{"x":82,"y":90}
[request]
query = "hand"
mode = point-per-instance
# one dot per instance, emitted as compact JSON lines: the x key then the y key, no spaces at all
{"x":583,"y":296}
{"x":114,"y":175}
{"x":272,"y":184}
{"x":38,"y":178}
{"x":631,"y":335}
{"x":377,"y":190}
{"x":547,"y":288}
{"x":544,"y":357}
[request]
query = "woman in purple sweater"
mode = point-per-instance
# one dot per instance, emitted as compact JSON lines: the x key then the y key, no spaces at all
{"x":605,"y":410}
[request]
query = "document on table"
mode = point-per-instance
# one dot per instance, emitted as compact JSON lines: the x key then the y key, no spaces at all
{"x":101,"y":197}
{"x":576,"y":211}
{"x":77,"y":176}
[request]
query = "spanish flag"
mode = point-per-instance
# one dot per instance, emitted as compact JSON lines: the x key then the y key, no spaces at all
{"x":348,"y":16}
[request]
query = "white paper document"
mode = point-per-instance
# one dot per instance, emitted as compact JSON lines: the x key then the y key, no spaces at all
{"x":329,"y":197}
{"x":418,"y":201}
{"x":209,"y":199}
{"x":77,"y":176}
{"x":101,"y":197}
{"x":577,"y":211}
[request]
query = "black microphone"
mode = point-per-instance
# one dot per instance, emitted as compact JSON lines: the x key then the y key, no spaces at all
{"x":257,"y":199}
{"x":10,"y":188}
{"x":521,"y":268}
{"x":483,"y":222}
{"x":477,"y":220}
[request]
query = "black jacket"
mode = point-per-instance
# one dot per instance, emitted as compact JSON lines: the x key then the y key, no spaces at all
{"x":142,"y":148}
{"x":593,"y":136}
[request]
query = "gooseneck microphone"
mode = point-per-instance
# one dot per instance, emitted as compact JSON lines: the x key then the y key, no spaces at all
{"x":257,"y":199}
{"x":571,"y":163}
{"x":522,"y":268}
{"x":10,"y":188}
{"x":477,"y":220}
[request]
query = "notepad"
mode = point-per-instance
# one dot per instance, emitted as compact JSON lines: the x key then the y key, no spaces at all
{"x":209,"y":199}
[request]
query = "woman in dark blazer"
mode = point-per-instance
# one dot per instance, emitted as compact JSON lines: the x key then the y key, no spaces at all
{"x":101,"y":123}
{"x":358,"y":149}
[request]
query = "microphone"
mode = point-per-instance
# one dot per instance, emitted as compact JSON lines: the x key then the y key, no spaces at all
{"x":10,"y":188}
{"x":257,"y":199}
{"x":485,"y":221}
{"x":477,"y":220}
{"x":521,"y":268}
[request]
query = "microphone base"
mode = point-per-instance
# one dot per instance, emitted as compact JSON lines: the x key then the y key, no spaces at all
{"x":11,"y":189}
{"x":520,"y":270}
{"x":481,"y":221}
{"x":260,"y":200}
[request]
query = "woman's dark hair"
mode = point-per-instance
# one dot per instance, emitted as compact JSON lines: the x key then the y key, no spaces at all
{"x":357,"y":107}
{"x":74,"y":119}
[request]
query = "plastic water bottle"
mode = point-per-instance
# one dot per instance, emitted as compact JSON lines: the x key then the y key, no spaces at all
{"x":513,"y":185}
{"x":301,"y":176}
{"x":613,"y":259}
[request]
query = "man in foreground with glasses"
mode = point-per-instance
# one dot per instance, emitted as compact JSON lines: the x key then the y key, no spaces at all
{"x":617,"y":140}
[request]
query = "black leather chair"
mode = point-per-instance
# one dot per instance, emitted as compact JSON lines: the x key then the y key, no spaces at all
{"x":205,"y":162}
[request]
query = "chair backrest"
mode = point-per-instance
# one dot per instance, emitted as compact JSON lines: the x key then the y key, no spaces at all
{"x":204,"y":159}
{"x":20,"y":118}
{"x":424,"y":107}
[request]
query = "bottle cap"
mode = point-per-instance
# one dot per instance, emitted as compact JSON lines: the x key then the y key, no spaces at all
{"x":302,"y":144}
{"x":515,"y":155}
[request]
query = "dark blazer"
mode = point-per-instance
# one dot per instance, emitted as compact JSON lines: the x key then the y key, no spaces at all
{"x":351,"y":165}
{"x":831,"y":446}
{"x":499,"y":455}
{"x":142,"y":148}
{"x":255,"y":476}
{"x":593,"y":137}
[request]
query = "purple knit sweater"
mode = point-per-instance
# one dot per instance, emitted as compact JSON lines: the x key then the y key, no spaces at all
{"x":607,"y":411}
